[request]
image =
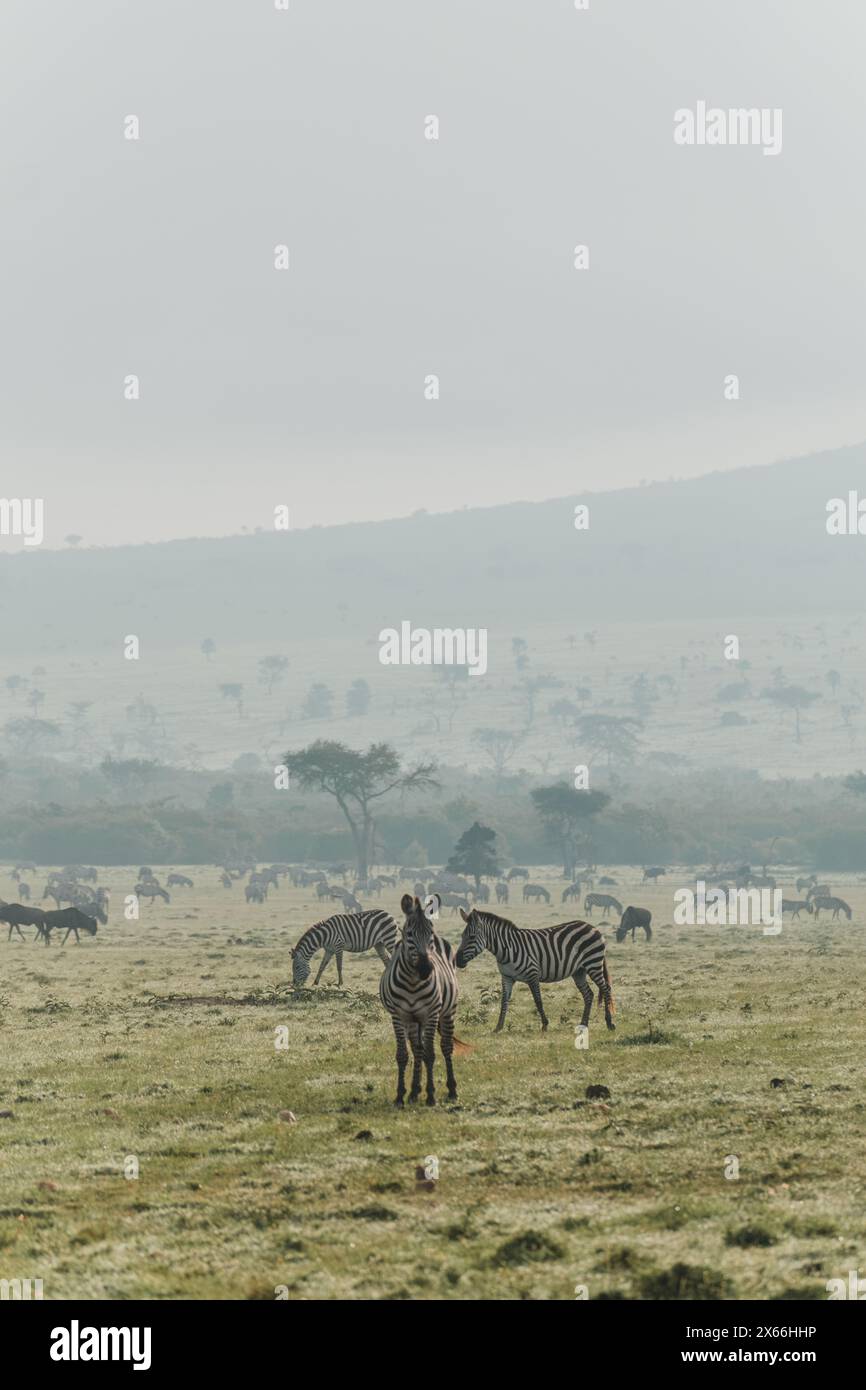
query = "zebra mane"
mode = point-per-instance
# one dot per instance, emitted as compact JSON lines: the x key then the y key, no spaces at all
{"x":493,"y":919}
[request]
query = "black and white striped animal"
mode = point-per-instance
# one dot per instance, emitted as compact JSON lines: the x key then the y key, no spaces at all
{"x":573,"y":949}
{"x":834,"y":905}
{"x":632,"y":918}
{"x":602,"y":900}
{"x":501,"y":892}
{"x":572,"y":891}
{"x":535,"y":890}
{"x":373,"y":930}
{"x":419,"y":990}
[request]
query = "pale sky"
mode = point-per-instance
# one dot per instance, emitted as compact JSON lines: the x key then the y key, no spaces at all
{"x":410,"y":257}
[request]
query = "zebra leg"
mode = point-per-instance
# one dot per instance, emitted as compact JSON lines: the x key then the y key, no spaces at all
{"x":446,"y":1039}
{"x":535,"y":991}
{"x":507,"y":987}
{"x":417,"y":1058}
{"x":382,"y":953}
{"x":428,"y":1041}
{"x":579,"y":978}
{"x":339,"y":968}
{"x":402,"y":1059}
{"x":325,"y":959}
{"x":604,"y":995}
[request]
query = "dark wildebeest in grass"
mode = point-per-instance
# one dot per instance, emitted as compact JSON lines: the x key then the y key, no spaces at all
{"x":179,"y":881}
{"x":572,"y":891}
{"x":535,"y":890}
{"x":517,"y":873}
{"x":19,"y":915}
{"x":653,"y":874}
{"x":632,"y":918}
{"x":795,"y":907}
{"x":834,"y":905}
{"x":73,"y":920}
{"x":501,"y":892}
{"x":602,"y":900}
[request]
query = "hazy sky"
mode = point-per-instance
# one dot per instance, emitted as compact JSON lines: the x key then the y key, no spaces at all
{"x":410,"y":256}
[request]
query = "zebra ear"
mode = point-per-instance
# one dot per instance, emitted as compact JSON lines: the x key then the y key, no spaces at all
{"x":406,"y":903}
{"x":292,"y":952}
{"x":464,"y":915}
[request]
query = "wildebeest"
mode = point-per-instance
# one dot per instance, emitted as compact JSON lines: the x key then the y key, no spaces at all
{"x":602,"y":900}
{"x":795,"y":907}
{"x":653,"y":874}
{"x":255,"y":893}
{"x":517,"y":873}
{"x":179,"y":881}
{"x":73,"y":920}
{"x":501,"y":892}
{"x":17,"y":915}
{"x":806,"y":883}
{"x":834,"y":905}
{"x":572,"y":891}
{"x":535,"y":890}
{"x":455,"y":901}
{"x":632,"y":918}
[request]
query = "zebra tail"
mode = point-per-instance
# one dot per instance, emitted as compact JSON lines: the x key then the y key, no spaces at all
{"x":609,"y":986}
{"x":460,"y":1047}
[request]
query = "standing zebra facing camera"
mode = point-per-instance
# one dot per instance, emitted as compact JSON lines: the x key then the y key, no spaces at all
{"x":419,"y":990}
{"x":373,"y":930}
{"x":536,"y":957}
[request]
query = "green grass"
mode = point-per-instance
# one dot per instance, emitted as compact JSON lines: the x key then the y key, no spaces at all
{"x":156,"y":1042}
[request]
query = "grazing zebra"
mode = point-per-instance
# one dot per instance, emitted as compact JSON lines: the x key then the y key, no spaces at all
{"x":834,"y":905}
{"x":602,"y":900}
{"x":546,"y":954}
{"x":501,"y":892}
{"x":795,"y":907}
{"x":419,"y":989}
{"x":373,"y":930}
{"x":572,"y":891}
{"x":150,"y":889}
{"x":535,"y":890}
{"x":632,"y":918}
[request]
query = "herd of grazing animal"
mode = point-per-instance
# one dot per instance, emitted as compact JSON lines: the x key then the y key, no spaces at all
{"x":419,"y":983}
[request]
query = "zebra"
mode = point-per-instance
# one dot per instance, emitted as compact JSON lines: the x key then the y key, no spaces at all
{"x":546,"y":954}
{"x":572,"y":891}
{"x":502,"y":892}
{"x":602,"y":900}
{"x":632,"y":918}
{"x":372,"y":930}
{"x":834,"y":905}
{"x":535,"y":890}
{"x":419,"y":990}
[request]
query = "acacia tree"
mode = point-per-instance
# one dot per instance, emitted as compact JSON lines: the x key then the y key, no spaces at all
{"x":357,"y":781}
{"x":564,"y":813}
{"x":792,"y":697}
{"x":475,"y":854}
{"x":610,"y":734}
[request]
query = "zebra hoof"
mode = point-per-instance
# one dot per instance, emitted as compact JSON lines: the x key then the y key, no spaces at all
{"x":399,"y":1103}
{"x":413,"y":1099}
{"x":611,"y":1027}
{"x":431,"y":1100}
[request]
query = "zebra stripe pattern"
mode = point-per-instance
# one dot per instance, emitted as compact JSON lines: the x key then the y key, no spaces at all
{"x":373,"y":930}
{"x":419,"y":990}
{"x":535,"y":957}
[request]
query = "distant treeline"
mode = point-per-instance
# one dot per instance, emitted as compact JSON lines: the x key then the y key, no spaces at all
{"x":56,"y":814}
